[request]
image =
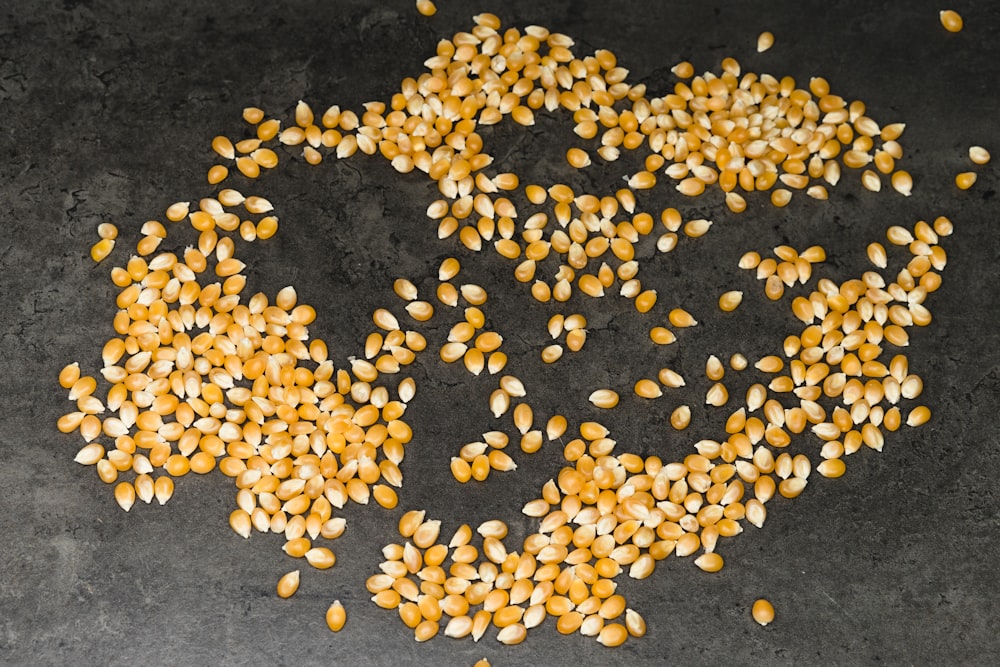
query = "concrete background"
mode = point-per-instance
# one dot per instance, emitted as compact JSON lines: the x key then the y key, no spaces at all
{"x":108,"y":109}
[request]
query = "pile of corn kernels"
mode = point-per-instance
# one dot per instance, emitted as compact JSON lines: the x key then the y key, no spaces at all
{"x":202,"y":376}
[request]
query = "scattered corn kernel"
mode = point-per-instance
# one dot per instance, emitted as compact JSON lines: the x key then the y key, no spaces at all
{"x":951,"y":20}
{"x":965,"y":180}
{"x":764,"y":41}
{"x":979,"y":155}
{"x":426,"y":8}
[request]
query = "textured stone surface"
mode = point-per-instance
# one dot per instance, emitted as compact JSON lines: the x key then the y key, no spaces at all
{"x":108,"y":110}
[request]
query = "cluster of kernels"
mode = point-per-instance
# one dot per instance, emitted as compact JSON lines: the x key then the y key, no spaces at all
{"x":199,"y":380}
{"x":478,"y":77}
{"x":625,"y":513}
{"x":255,"y":153}
{"x":107,"y":232}
{"x":476,"y":73}
{"x":474,"y":582}
{"x":720,"y":129}
{"x":680,"y":418}
{"x":476,"y":459}
{"x":743,"y":131}
{"x":463,"y":332}
{"x":978,"y":156}
{"x":645,"y":387}
{"x":478,"y":349}
{"x":785,"y":269}
{"x":749,"y":129}
{"x":573,"y":331}
{"x":839,"y":358}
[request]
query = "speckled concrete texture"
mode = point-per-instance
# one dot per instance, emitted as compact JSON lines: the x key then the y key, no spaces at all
{"x":108,"y":111}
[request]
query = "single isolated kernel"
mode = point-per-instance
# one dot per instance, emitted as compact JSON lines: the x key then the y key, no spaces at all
{"x":764,"y":41}
{"x":729,"y":301}
{"x":336,"y":616}
{"x":762,"y":611}
{"x":965,"y":180}
{"x":107,"y":230}
{"x":951,"y":20}
{"x":979,"y":155}
{"x":288,"y":584}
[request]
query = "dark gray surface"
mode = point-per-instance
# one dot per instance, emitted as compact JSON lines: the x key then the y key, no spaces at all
{"x":108,"y":109}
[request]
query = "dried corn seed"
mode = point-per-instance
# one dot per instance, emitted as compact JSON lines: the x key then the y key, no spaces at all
{"x":288,"y":584}
{"x":965,"y":180}
{"x":321,"y":558}
{"x":145,"y":488}
{"x":125,"y":495}
{"x":781,"y":197}
{"x":738,"y":362}
{"x":512,"y":634}
{"x":100,"y":250}
{"x":670,"y":378}
{"x":714,"y":369}
{"x":577,"y":158}
{"x":336,"y":616}
{"x":902,"y":182}
{"x":762,"y":611}
{"x":877,"y":255}
{"x":645,"y":301}
{"x":729,"y":301}
{"x":224,"y":147}
{"x":662,"y":335}
{"x":239,"y":521}
{"x":950,"y":20}
{"x":90,"y":454}
{"x":979,"y":155}
{"x":764,"y":41}
{"x":552,"y":353}
{"x":461,"y":470}
{"x":749,"y":260}
{"x":709,"y":562}
{"x":604,"y":398}
{"x":918,"y":416}
{"x":410,"y":521}
{"x":697,"y":228}
{"x":831,"y":468}
{"x":426,"y":534}
{"x":612,"y":634}
{"x":680,"y":418}
{"x":717,"y":395}
{"x":646,"y":388}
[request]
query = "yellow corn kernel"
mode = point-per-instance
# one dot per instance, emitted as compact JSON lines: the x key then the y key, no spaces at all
{"x":729,"y":301}
{"x":951,"y":20}
{"x":336,"y":616}
{"x":100,"y":250}
{"x":965,"y":180}
{"x":288,"y":584}
{"x":764,"y":41}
